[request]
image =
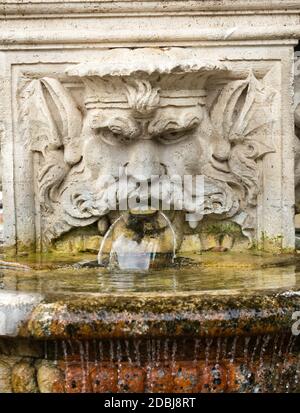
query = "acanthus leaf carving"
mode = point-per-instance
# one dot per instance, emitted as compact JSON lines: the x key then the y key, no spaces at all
{"x":240,"y":116}
{"x":52,"y":125}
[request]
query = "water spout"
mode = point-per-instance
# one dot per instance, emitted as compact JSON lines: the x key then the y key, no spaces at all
{"x":130,"y":254}
{"x":173,"y":233}
{"x":100,"y":253}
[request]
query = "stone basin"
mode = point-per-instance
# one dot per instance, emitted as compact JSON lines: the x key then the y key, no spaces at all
{"x":205,"y":325}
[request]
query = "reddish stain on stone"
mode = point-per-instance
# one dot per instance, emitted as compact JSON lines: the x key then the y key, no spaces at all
{"x":131,"y":379}
{"x":186,"y":377}
{"x":75,"y":379}
{"x":159,"y":379}
{"x":58,"y":387}
{"x":176,"y":377}
{"x":104,"y":379}
{"x":212,"y":378}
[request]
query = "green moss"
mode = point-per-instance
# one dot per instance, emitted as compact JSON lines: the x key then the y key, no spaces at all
{"x":271,"y":244}
{"x":224,"y":228}
{"x":18,"y":250}
{"x":78,"y":240}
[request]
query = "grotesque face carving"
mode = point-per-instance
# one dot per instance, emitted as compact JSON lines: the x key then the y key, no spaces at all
{"x":147,"y":121}
{"x":141,"y":132}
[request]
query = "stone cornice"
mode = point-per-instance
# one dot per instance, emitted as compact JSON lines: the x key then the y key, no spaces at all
{"x":36,"y":8}
{"x":27,"y":24}
{"x":164,"y":36}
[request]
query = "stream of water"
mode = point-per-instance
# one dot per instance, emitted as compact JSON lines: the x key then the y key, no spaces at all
{"x":129,"y":254}
{"x":213,"y":359}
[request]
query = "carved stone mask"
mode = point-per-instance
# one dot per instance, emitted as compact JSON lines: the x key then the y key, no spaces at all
{"x":148,"y":113}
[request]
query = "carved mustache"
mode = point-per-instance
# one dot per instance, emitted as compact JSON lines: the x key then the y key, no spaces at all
{"x":159,"y":193}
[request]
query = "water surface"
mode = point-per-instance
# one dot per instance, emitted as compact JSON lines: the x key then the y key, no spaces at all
{"x":190,"y":274}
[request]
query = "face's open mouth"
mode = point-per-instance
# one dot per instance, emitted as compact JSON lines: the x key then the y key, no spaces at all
{"x":143,"y":213}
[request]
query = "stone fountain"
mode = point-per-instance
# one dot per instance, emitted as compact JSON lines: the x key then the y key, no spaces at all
{"x":149,"y":190}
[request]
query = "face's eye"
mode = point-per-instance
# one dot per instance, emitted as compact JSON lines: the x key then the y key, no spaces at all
{"x":113,"y":137}
{"x":174,"y":136}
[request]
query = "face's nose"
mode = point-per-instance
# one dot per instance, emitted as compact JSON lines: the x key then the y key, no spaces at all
{"x":144,"y":161}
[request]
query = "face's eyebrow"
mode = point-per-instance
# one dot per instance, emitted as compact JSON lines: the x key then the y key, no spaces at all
{"x":163,"y":124}
{"x":169,"y":123}
{"x":118,"y":124}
